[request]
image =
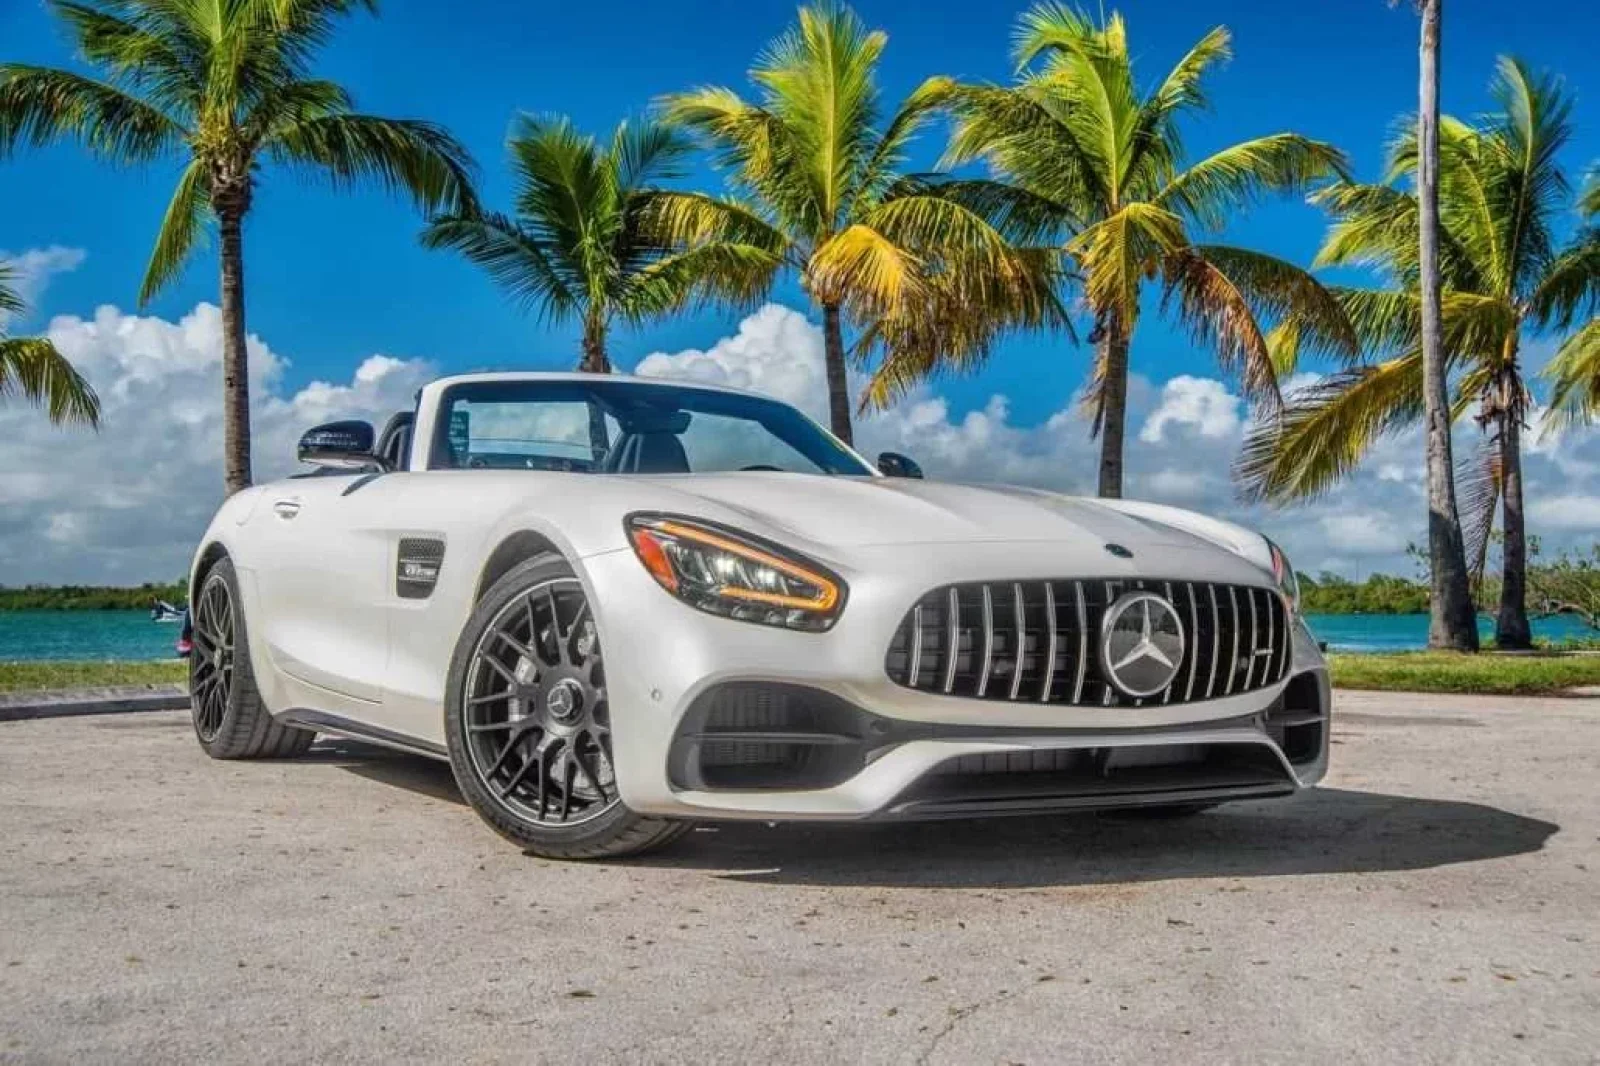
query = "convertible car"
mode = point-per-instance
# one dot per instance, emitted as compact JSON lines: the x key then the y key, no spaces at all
{"x":619,"y":605}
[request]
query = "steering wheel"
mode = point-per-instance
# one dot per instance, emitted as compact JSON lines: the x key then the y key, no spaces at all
{"x":763,"y":466}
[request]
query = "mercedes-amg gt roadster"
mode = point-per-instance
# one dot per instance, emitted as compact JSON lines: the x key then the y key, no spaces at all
{"x":618,"y":605}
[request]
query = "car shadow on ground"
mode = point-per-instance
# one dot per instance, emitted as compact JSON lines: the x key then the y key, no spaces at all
{"x":1324,"y":830}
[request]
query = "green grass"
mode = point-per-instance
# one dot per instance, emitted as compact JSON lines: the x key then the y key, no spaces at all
{"x":22,"y":677}
{"x":1432,"y":671}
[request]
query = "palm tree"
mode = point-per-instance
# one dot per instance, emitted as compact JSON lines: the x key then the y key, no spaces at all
{"x":1081,"y":157}
{"x":817,"y":190}
{"x":1502,"y":274}
{"x":32,"y":368}
{"x":584,"y":243}
{"x":226,"y":87}
{"x":1452,"y":622}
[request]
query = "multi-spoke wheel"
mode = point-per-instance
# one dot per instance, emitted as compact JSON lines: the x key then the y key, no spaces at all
{"x":229,"y":717}
{"x":530,"y":724}
{"x":211,"y":657}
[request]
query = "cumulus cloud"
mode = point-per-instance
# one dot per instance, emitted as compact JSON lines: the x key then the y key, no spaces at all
{"x":31,"y":272}
{"x":127,"y":505}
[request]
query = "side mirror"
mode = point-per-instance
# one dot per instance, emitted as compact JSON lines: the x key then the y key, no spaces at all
{"x":893,"y":464}
{"x":340,"y":445}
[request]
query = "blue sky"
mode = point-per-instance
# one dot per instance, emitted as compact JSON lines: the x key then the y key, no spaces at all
{"x":333,"y":278}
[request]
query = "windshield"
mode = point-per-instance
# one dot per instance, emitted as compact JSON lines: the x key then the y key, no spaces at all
{"x":623,"y":427}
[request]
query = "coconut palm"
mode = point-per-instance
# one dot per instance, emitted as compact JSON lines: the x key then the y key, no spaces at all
{"x":1452,"y":622}
{"x":1080,"y":156}
{"x":1574,"y":373}
{"x":32,"y":368}
{"x":1503,"y":275}
{"x":817,"y":191}
{"x":583,"y":243}
{"x":224,"y":87}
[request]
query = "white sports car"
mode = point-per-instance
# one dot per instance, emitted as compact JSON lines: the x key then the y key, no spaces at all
{"x":617,"y":605}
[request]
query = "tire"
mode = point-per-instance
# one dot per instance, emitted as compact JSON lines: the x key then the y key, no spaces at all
{"x":535,"y":766}
{"x":230,"y":721}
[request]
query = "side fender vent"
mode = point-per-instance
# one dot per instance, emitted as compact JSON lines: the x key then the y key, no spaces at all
{"x":417,"y":567}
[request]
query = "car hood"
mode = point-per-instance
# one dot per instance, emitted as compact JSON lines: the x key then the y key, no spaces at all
{"x":865,"y":512}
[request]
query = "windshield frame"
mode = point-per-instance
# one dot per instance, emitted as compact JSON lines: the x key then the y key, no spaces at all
{"x":831,"y":456}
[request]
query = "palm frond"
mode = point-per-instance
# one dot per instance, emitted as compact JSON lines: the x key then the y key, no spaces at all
{"x":648,"y":151}
{"x":513,"y":257}
{"x":1478,"y":488}
{"x":723,"y":274}
{"x":1229,"y":297}
{"x":405,"y":155}
{"x":39,"y":106}
{"x":11,"y":302}
{"x":880,"y":170}
{"x":32,"y":368}
{"x":186,"y":214}
{"x":1117,"y":253}
{"x":1570,"y":287}
{"x":1325,"y":429}
{"x":1574,"y":377}
{"x":1220,"y":184}
{"x":863,"y":268}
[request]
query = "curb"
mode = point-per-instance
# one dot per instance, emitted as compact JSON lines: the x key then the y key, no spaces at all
{"x":24,"y":706}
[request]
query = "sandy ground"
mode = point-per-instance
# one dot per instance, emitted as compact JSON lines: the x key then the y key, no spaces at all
{"x":1436,"y":902}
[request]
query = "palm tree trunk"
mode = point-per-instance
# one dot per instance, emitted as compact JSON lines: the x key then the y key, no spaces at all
{"x":1113,"y":356}
{"x":235,"y":355}
{"x":1511,"y":629}
{"x":1452,"y":623}
{"x":838,"y":380}
{"x":596,"y":361}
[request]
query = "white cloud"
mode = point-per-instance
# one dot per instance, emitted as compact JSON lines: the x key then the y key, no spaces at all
{"x":127,"y":505}
{"x":32,"y":270}
{"x":1202,"y":403}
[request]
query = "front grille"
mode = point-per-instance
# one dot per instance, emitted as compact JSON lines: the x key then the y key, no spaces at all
{"x":1037,"y":641}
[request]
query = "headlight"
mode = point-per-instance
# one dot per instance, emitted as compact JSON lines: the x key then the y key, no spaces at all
{"x":1288,"y":583}
{"x":735,"y":575}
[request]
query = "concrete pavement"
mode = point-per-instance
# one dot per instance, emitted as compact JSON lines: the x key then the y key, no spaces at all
{"x":1436,"y":902}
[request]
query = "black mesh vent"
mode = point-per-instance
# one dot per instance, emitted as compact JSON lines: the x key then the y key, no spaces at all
{"x":417,"y":567}
{"x":1037,"y":641}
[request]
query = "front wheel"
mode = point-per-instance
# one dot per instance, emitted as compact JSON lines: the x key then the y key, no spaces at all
{"x":529,"y":724}
{"x":230,"y":720}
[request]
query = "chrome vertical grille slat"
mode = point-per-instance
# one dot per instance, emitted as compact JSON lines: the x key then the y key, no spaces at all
{"x":1020,"y":613}
{"x":988,"y":641}
{"x":1045,"y":632}
{"x":1194,"y":648}
{"x":1083,"y":644}
{"x":1216,"y":641}
{"x":952,"y":648}
{"x":916,"y":645}
{"x":1050,"y":653}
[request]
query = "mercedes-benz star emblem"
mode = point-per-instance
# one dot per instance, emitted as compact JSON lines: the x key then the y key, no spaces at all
{"x":563,"y":699}
{"x":1141,"y":643}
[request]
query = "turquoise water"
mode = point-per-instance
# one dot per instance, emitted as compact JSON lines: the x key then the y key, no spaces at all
{"x":85,"y":635}
{"x":89,"y":635}
{"x":1399,"y":632}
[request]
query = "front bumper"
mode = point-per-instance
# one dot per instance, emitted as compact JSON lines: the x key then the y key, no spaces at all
{"x":892,"y":752}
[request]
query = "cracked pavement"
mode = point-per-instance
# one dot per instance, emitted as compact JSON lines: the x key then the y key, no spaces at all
{"x":1435,"y":902}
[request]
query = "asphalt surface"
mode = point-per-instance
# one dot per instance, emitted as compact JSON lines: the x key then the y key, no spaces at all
{"x":1436,"y":902}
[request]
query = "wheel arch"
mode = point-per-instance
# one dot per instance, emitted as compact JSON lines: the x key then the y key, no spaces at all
{"x":516,"y":548}
{"x":204,"y":561}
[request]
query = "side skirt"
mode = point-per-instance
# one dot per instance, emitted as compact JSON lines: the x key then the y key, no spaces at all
{"x":339,"y":726}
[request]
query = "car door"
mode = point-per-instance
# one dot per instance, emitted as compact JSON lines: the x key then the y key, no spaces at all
{"x":321,"y":569}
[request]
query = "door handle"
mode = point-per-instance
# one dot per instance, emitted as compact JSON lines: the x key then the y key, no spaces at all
{"x":286,"y":508}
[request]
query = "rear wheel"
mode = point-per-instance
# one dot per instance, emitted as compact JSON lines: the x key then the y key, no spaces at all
{"x":230,"y":720}
{"x":529,"y":722}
